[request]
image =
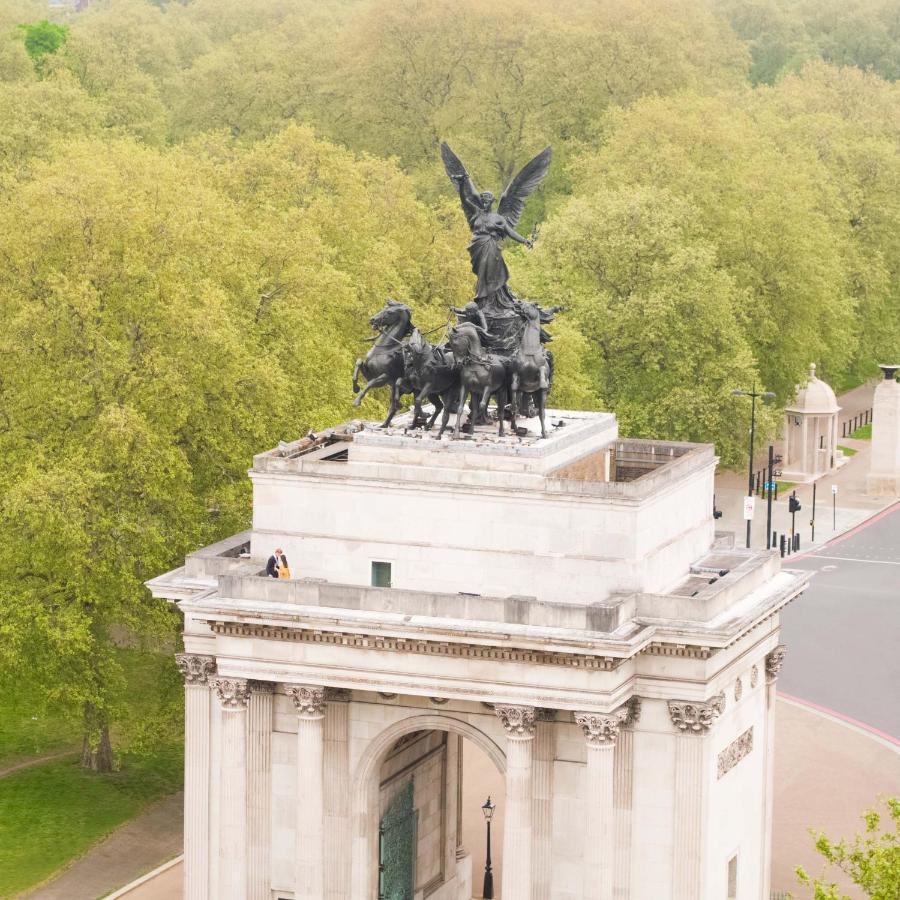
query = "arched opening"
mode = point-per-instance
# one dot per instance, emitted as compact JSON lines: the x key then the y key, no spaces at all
{"x":418,"y":822}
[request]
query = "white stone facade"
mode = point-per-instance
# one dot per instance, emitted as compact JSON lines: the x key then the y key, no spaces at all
{"x":884,"y":474}
{"x":810,"y":431}
{"x":561,"y":603}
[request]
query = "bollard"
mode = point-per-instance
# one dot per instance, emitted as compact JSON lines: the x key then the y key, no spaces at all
{"x":796,"y":542}
{"x":781,"y":545}
{"x":774,"y":538}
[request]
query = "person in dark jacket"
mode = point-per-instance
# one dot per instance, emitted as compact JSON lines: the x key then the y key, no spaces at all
{"x":274,"y":562}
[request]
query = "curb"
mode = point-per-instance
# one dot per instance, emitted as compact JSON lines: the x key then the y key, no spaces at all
{"x":145,"y":878}
{"x":852,"y":530}
{"x":882,"y":737}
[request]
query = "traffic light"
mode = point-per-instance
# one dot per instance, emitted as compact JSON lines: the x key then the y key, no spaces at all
{"x":793,"y":505}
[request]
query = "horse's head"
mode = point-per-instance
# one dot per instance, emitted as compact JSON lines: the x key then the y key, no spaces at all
{"x":394,"y":316}
{"x":463,"y":340}
{"x":418,"y":346}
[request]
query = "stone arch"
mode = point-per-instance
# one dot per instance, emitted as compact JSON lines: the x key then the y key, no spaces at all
{"x":364,"y":796}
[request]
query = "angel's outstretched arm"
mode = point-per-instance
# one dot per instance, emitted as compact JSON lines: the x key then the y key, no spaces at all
{"x":512,"y":233}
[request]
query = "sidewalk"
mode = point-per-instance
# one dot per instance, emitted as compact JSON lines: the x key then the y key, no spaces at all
{"x":834,"y":514}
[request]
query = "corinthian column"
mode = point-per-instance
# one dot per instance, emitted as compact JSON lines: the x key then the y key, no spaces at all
{"x":600,"y":732}
{"x":196,"y":671}
{"x":310,"y":845}
{"x":233,"y":694}
{"x":259,"y":789}
{"x":518,"y":722}
{"x":773,"y":666}
{"x":694,"y":721}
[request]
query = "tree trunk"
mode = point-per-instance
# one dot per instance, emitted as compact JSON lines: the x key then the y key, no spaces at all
{"x":96,"y":749}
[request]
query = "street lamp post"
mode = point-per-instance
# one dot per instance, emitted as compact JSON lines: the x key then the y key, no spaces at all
{"x":753,"y":394}
{"x":488,"y":889}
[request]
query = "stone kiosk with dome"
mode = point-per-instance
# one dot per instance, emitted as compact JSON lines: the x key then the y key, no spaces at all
{"x":562,"y":603}
{"x":810,"y":431}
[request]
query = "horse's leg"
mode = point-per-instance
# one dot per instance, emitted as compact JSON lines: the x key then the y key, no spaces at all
{"x":501,"y":396}
{"x":356,"y":368}
{"x":377,"y":382}
{"x":459,"y":414}
{"x":445,"y":418}
{"x":542,"y":403}
{"x":395,"y":403}
{"x":513,"y":400}
{"x":438,"y":406}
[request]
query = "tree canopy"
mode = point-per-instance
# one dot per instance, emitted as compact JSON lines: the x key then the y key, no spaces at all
{"x":203,"y":201}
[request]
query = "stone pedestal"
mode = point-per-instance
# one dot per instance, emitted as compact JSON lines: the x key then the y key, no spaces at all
{"x":884,"y":472}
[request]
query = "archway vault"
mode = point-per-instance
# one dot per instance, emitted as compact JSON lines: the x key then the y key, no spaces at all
{"x":365,"y":787}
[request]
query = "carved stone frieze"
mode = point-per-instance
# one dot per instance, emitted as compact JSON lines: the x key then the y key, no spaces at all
{"x":195,"y":669}
{"x":738,"y":690}
{"x":308,"y":701}
{"x":233,"y":693}
{"x":774,"y":662}
{"x":517,"y":721}
{"x":735,"y":752}
{"x":754,"y":677}
{"x":418,"y":646}
{"x":696,"y":718}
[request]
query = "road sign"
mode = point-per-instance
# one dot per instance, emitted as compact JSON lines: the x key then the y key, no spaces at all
{"x":834,"y":489}
{"x":749,"y":503}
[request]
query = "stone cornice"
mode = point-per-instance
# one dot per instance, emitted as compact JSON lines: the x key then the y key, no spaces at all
{"x":696,"y":718}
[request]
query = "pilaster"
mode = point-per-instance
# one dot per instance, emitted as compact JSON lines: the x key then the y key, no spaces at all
{"x":259,"y":789}
{"x":774,"y":661}
{"x":542,"y":803}
{"x":337,"y":794}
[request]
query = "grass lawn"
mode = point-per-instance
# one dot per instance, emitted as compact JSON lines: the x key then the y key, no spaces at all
{"x":863,"y":433}
{"x":27,"y":729}
{"x":785,"y":486}
{"x":52,"y":813}
{"x":847,"y":451}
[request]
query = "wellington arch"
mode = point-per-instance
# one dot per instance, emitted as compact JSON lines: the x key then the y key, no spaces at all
{"x":562,"y":605}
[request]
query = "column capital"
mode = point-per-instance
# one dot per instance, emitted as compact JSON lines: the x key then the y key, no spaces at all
{"x":195,"y":668}
{"x":517,"y":721}
{"x":601,"y":730}
{"x":261,"y":687}
{"x":696,"y":718}
{"x":774,"y":661}
{"x":233,"y":693}
{"x":308,"y":700}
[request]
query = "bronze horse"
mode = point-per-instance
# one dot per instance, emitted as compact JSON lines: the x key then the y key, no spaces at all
{"x":530,"y":365}
{"x":383,"y":364}
{"x":430,"y":373}
{"x":480,"y":373}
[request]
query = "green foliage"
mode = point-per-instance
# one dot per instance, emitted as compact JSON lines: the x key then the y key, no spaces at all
{"x":871,"y":860}
{"x":42,"y":39}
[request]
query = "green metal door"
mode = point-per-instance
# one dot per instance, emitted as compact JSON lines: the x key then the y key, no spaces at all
{"x":397,"y":848}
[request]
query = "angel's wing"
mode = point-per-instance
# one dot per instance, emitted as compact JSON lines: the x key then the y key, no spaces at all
{"x":457,"y":173}
{"x":523,"y":186}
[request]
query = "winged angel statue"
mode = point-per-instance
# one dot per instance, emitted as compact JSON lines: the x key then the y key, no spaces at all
{"x":490,"y":228}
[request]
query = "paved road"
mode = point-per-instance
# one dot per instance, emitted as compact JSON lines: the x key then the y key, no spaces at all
{"x":843,"y":634}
